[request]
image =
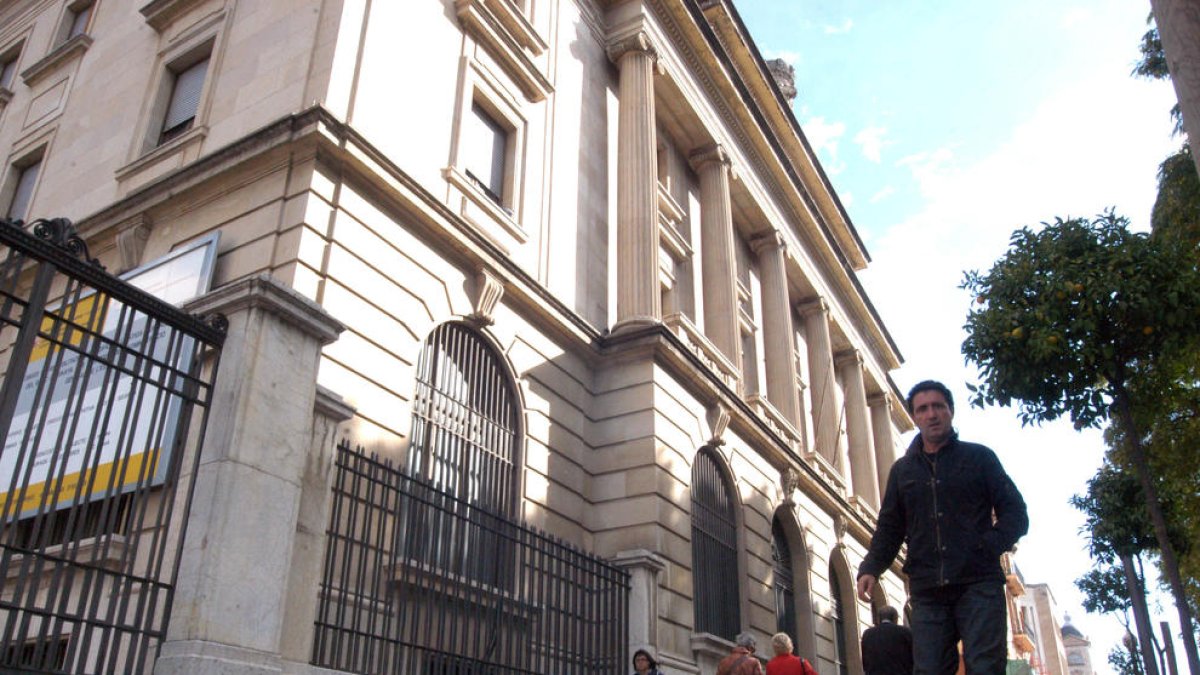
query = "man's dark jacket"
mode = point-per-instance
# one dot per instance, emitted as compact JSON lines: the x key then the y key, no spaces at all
{"x":887,"y":649}
{"x":941,"y":505}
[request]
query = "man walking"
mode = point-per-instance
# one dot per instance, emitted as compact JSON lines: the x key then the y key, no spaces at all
{"x":957,"y":509}
{"x":887,"y":648}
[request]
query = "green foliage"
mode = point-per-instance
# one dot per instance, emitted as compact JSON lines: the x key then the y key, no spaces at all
{"x":1116,"y":515}
{"x":1153,"y":66}
{"x":1104,"y":591}
{"x":1176,"y":213}
{"x":1072,"y":311}
{"x":1123,"y":661}
{"x":1154,"y":60}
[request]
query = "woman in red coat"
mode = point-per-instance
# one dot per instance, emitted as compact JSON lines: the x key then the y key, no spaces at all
{"x":785,"y":662}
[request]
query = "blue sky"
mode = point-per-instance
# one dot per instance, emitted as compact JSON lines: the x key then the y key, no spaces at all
{"x":945,"y":125}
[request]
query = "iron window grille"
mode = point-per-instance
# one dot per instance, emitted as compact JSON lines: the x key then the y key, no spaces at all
{"x":714,"y":550}
{"x":785,"y":589}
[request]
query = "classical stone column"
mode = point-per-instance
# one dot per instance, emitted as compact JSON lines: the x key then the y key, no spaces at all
{"x":230,"y":599}
{"x":778,"y":336}
{"x":885,"y":441}
{"x":858,"y":430}
{"x":718,"y":262}
{"x":638,"y":300}
{"x":822,"y":386}
{"x":644,"y":568}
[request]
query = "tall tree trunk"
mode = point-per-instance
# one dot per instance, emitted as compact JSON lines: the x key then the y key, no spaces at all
{"x":1141,"y":615}
{"x":1141,"y":464}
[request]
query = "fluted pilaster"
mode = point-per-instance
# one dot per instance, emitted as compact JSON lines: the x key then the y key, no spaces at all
{"x":779,"y":348}
{"x":885,"y":441}
{"x":863,"y":474}
{"x":717,"y":259}
{"x":822,"y":388}
{"x":638,"y":300}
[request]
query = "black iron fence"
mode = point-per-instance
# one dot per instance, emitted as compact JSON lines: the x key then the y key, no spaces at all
{"x":419,"y":581}
{"x":103,"y":387}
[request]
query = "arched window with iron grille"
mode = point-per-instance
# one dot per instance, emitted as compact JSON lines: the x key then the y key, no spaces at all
{"x":839,"y":621}
{"x":714,"y":549}
{"x":464,"y":450}
{"x":785,"y":587}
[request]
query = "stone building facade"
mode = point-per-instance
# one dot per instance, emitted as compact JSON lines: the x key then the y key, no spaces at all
{"x":609,"y":203}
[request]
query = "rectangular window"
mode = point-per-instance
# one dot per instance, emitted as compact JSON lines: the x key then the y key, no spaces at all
{"x":8,"y":68}
{"x":184,"y":101}
{"x":76,"y":21}
{"x":27,"y":177}
{"x":486,"y":152}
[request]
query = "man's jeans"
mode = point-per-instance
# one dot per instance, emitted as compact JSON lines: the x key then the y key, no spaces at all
{"x":974,"y":613}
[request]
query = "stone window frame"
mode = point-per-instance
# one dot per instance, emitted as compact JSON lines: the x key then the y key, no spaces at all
{"x":17,"y":168}
{"x":479,"y":87}
{"x":203,"y":41}
{"x":69,"y":25}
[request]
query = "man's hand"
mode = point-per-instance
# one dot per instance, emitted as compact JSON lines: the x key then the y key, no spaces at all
{"x":866,"y":584}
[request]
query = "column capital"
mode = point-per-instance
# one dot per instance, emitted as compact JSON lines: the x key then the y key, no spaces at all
{"x":877,"y":400}
{"x":636,"y":42}
{"x":267,"y":293}
{"x":808,"y":308}
{"x":771,"y":240}
{"x":848,"y":357}
{"x":709,"y":154}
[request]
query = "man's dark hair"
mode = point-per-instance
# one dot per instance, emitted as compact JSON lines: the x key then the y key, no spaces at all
{"x":889,"y":613}
{"x":929,"y":385}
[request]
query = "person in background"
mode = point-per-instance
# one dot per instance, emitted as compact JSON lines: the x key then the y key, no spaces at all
{"x":644,"y":663}
{"x":957,"y":509}
{"x":887,"y":647}
{"x":785,"y":662}
{"x":741,"y":659}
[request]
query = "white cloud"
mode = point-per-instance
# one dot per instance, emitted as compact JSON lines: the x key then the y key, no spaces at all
{"x":837,"y":30}
{"x":823,"y":136}
{"x":1076,"y":16}
{"x":872,"y":143}
{"x":847,"y":199}
{"x":886,"y":192}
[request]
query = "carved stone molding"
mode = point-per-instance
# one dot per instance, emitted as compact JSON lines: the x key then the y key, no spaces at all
{"x":789,"y":482}
{"x":131,"y":240}
{"x":718,"y":416}
{"x":485,"y":292}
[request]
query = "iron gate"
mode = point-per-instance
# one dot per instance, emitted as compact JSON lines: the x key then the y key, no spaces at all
{"x":105,"y":389}
{"x":418,"y":580}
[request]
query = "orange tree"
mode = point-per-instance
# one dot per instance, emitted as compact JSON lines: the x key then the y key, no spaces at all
{"x":1073,"y":318}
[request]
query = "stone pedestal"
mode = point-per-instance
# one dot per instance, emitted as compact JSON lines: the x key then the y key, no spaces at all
{"x":644,"y":568}
{"x":231,"y":593}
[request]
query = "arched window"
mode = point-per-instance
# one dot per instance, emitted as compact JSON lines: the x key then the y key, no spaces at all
{"x":785,"y":588}
{"x":839,"y":622}
{"x":714,"y":549}
{"x":463,"y":452}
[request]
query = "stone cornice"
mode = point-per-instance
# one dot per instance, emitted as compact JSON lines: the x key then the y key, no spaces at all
{"x":265,"y":292}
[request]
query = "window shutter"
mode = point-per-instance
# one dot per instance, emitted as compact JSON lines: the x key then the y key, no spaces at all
{"x":185,"y":97}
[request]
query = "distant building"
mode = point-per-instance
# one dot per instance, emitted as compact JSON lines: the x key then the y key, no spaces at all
{"x":1078,"y":648}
